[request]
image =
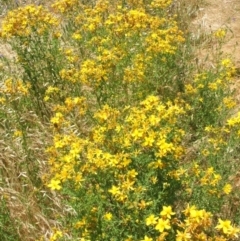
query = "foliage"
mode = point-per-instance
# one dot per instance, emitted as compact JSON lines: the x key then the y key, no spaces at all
{"x":120,"y":137}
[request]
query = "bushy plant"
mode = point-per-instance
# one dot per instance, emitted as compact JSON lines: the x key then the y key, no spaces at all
{"x":135,"y":139}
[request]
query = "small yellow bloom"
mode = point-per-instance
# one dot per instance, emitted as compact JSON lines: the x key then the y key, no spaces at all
{"x":162,"y":225}
{"x":76,"y":36}
{"x":220,"y":33}
{"x":56,"y":235}
{"x":183,"y":236}
{"x":57,"y":119}
{"x":54,"y":185}
{"x":17,"y":133}
{"x":227,"y":189}
{"x":108,"y":216}
{"x":225,"y":226}
{"x":114,"y":190}
{"x":151,"y":220}
{"x":146,"y":238}
{"x":167,"y":212}
{"x":226,"y":63}
{"x":46,"y":98}
{"x":2,"y":100}
{"x":154,"y":179}
{"x":142,"y":204}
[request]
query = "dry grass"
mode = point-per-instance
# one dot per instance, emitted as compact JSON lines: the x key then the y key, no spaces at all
{"x":31,"y":207}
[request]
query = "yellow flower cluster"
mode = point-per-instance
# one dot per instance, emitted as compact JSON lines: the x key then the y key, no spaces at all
{"x":160,"y":3}
{"x":140,"y":129}
{"x":234,"y":121}
{"x":110,"y":32}
{"x":14,"y":87}
{"x":195,"y":226}
{"x":56,"y":235}
{"x":207,"y":182}
{"x":220,"y":33}
{"x":25,"y":20}
{"x":63,"y":6}
{"x":226,"y":228}
{"x":233,"y":124}
{"x":110,"y":159}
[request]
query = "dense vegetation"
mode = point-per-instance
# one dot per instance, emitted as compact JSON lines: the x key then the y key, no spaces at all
{"x":110,"y":130}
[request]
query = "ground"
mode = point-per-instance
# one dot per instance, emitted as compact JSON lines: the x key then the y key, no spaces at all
{"x":215,"y":14}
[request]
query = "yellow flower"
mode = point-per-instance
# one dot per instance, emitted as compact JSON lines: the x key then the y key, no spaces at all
{"x":57,"y":119}
{"x":225,"y":226}
{"x":227,"y":189}
{"x":2,"y":100}
{"x":162,"y":236}
{"x":146,"y":238}
{"x":213,"y":86}
{"x":63,"y":6}
{"x":17,"y":133}
{"x":160,"y":3}
{"x":76,"y":36}
{"x":157,"y":164}
{"x":25,"y":20}
{"x":54,"y":185}
{"x":114,"y":190}
{"x":233,"y":232}
{"x":226,"y":62}
{"x":167,"y":212}
{"x":189,"y":209}
{"x":108,"y":216}
{"x":162,"y":225}
{"x":220,"y":33}
{"x":132,"y":173}
{"x":80,"y":224}
{"x":183,"y":236}
{"x":142,"y":205}
{"x":151,"y":220}
{"x":149,"y":140}
{"x":229,"y":102}
{"x":57,"y":234}
{"x":154,"y":179}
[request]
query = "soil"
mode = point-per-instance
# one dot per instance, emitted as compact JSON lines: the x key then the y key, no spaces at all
{"x":216,"y":14}
{"x":225,"y":14}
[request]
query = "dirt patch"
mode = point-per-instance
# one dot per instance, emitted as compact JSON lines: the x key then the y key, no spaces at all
{"x":222,"y":14}
{"x":216,"y":14}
